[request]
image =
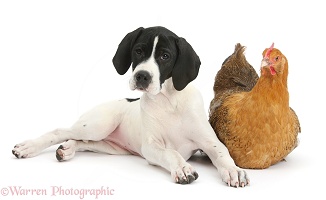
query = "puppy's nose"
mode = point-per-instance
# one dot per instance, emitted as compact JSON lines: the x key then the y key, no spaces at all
{"x":143,"y":79}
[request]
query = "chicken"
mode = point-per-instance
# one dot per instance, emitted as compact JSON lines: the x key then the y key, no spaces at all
{"x":250,"y":114}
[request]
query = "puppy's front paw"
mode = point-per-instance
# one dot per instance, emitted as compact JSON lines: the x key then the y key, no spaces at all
{"x":184,"y":174}
{"x":26,"y":149}
{"x":234,"y":176}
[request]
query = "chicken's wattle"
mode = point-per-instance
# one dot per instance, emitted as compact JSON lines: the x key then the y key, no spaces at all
{"x":272,"y":69}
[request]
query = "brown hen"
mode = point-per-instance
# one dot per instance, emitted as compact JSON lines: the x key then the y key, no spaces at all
{"x":251,"y":114}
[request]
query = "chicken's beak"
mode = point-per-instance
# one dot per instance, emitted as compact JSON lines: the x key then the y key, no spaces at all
{"x":266,"y":63}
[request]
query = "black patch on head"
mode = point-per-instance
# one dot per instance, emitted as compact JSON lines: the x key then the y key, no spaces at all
{"x":143,"y":46}
{"x":174,"y":55}
{"x":166,"y":54}
{"x":136,"y":47}
{"x":131,"y":100}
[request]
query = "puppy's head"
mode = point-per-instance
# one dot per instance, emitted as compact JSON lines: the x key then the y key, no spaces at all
{"x":156,"y":54}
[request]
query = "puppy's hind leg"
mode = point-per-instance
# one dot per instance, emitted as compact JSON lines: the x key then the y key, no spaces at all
{"x":67,"y":150}
{"x":94,"y":125}
{"x":31,"y":148}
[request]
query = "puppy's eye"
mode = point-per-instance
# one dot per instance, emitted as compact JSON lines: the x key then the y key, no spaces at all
{"x":165,"y":56}
{"x":138,"y":51}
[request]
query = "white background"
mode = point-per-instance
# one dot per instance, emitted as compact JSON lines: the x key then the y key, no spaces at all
{"x":55,"y":63}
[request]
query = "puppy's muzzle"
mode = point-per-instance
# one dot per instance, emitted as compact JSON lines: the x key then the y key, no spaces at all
{"x":142,"y":80}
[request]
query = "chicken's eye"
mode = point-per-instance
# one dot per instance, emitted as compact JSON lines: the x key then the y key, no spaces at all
{"x":276,"y":59}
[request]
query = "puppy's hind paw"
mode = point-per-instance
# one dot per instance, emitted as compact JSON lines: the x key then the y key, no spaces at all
{"x":59,"y":153}
{"x":66,"y":151}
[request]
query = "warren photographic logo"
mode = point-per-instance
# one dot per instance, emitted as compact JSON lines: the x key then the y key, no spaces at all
{"x":57,"y":191}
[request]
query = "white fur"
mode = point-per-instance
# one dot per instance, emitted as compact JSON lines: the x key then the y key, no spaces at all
{"x":165,"y":126}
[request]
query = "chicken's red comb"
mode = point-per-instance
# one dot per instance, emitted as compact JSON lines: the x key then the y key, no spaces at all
{"x":268,"y":52}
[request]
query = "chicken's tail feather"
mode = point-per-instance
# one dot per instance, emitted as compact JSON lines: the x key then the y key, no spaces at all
{"x":236,"y":73}
{"x":237,"y":55}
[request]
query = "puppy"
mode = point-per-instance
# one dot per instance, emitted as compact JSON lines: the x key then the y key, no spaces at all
{"x":166,"y":126}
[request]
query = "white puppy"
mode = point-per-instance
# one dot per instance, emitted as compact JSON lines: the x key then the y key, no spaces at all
{"x":166,"y":126}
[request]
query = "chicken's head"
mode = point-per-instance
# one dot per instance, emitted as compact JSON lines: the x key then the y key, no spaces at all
{"x":273,"y":62}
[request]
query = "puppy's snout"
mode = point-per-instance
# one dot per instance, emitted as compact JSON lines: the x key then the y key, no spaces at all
{"x":142,"y":79}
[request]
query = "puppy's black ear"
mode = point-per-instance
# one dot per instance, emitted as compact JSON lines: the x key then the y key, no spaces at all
{"x":122,"y":58}
{"x":187,"y":65}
